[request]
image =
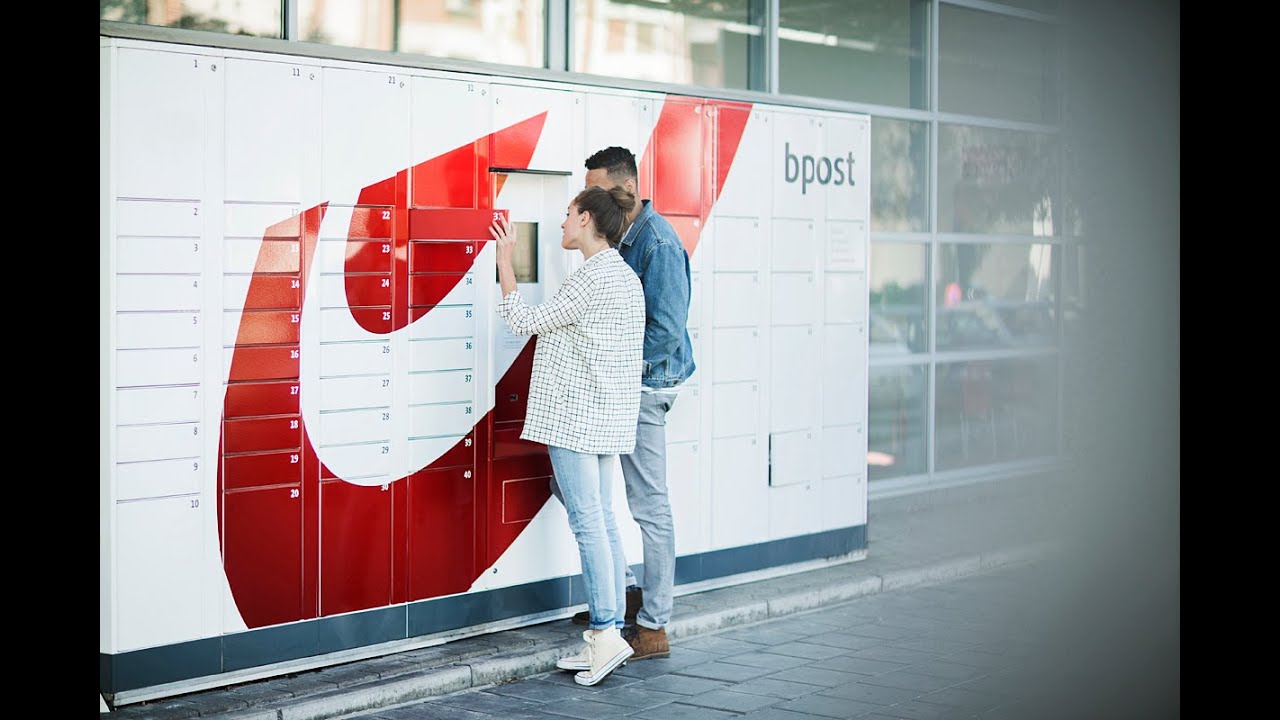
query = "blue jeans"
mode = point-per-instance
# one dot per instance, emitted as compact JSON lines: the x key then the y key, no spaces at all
{"x":645,"y":474}
{"x":584,"y":483}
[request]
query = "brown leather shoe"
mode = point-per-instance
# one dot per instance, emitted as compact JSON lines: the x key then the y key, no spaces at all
{"x":635,"y":598}
{"x":646,"y":643}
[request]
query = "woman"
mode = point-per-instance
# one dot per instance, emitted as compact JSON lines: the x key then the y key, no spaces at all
{"x":584,"y":399}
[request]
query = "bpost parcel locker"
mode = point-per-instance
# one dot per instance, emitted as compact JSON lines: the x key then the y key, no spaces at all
{"x":312,"y":412}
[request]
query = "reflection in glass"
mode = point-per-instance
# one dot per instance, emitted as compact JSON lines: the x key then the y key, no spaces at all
{"x":1000,"y":182}
{"x":498,"y":31}
{"x":996,"y":65}
{"x":366,"y":24}
{"x":995,"y":411}
{"x":1073,"y":294}
{"x":897,"y":299}
{"x":899,"y":175}
{"x":861,"y":50}
{"x":524,"y":257}
{"x":896,"y":421}
{"x":699,"y":43}
{"x":260,"y":19}
{"x":994,"y":296}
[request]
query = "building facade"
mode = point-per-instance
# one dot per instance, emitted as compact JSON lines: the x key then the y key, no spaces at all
{"x":955,"y":290}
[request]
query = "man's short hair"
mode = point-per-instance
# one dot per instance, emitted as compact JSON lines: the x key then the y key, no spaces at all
{"x":618,"y":162}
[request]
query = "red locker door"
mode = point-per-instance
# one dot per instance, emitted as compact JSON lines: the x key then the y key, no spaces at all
{"x":355,"y":545}
{"x":262,"y":541}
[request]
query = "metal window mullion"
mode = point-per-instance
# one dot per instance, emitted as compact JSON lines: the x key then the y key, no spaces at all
{"x":556,"y":33}
{"x":931,"y":262}
{"x":289,"y":13}
{"x":771,"y":44}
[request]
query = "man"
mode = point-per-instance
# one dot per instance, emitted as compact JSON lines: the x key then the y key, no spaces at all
{"x":653,"y":250}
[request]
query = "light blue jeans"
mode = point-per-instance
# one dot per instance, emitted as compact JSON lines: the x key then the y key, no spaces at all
{"x":645,"y":474}
{"x":584,"y":483}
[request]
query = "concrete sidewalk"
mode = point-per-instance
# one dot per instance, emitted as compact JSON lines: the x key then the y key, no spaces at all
{"x":915,"y":539}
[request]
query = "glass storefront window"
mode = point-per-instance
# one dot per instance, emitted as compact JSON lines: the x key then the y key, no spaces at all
{"x":998,"y":182}
{"x":697,"y":43}
{"x":1048,"y":7}
{"x":368,"y":24}
{"x":870,"y":51}
{"x":996,"y":65}
{"x":899,"y":175}
{"x":995,"y":296}
{"x":260,"y":19}
{"x":897,"y":295}
{"x":992,"y":411}
{"x":497,"y":31}
{"x":896,"y":418}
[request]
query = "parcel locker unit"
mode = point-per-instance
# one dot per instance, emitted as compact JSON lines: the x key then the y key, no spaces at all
{"x":311,"y":442}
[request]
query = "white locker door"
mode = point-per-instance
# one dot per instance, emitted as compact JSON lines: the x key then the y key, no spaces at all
{"x":847,"y":143}
{"x":365,"y":131}
{"x":746,"y":191}
{"x":162,"y":122}
{"x":513,"y":105}
{"x":272,"y":130}
{"x":160,"y":586}
{"x":798,"y":151}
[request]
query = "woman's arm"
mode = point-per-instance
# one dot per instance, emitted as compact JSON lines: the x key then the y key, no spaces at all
{"x":565,"y":308}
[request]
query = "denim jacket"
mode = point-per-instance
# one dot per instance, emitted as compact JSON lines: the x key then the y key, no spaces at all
{"x":653,"y":250}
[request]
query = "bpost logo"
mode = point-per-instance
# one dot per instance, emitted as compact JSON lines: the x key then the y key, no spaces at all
{"x":822,"y":170}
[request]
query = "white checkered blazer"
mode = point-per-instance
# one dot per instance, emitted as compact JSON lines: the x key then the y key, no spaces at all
{"x":584,"y":393}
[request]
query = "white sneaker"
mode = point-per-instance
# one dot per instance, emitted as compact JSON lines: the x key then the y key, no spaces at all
{"x":606,"y":651}
{"x":581,"y":661}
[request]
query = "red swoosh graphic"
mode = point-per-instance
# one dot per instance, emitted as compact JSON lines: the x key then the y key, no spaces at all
{"x":299,"y":543}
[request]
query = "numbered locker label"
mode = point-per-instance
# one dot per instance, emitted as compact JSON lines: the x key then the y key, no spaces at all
{"x":259,"y":434}
{"x":444,"y":386}
{"x":261,"y":327}
{"x":444,"y":322}
{"x":158,"y":367}
{"x":135,"y":443}
{"x":254,"y":255}
{"x":339,"y":393}
{"x":359,"y":358}
{"x":450,"y":354}
{"x":343,"y":290}
{"x":341,"y":324}
{"x":158,"y":330}
{"x":158,"y":292}
{"x":342,"y":427}
{"x":158,"y":219}
{"x":448,"y":419}
{"x":159,"y":255}
{"x":363,"y":460}
{"x":262,"y":221}
{"x":262,"y":398}
{"x":138,"y":406}
{"x":261,"y":292}
{"x":262,"y":469}
{"x":272,"y":362}
{"x":160,"y":478}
